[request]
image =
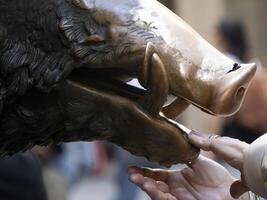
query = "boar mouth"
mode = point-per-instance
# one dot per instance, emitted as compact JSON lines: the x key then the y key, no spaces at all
{"x":115,"y":82}
{"x":157,"y":138}
{"x":102,"y":80}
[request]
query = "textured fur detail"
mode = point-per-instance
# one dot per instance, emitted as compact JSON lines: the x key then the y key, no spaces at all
{"x":41,"y":42}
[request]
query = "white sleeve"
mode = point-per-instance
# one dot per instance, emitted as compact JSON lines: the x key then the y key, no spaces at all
{"x":255,"y":166}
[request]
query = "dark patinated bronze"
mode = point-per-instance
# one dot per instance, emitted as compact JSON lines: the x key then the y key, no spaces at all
{"x":65,"y":65}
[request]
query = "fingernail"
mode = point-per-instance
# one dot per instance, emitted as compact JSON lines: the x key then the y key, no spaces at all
{"x":136,"y":178}
{"x":132,"y":177}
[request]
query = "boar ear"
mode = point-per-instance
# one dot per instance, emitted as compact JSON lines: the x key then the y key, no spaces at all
{"x":84,"y":4}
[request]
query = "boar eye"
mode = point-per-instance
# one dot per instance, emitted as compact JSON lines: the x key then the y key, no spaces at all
{"x":93,"y":39}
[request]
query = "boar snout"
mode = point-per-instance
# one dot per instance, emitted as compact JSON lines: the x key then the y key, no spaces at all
{"x":229,"y":91}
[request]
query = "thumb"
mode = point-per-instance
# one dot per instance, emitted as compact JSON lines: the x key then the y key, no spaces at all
{"x":238,"y":188}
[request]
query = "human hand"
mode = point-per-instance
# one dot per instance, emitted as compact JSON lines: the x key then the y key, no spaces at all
{"x":204,"y":179}
{"x":229,"y":149}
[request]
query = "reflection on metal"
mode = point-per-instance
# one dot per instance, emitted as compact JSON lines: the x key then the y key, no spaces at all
{"x":65,"y":72}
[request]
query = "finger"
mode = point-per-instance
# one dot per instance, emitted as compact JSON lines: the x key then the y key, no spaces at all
{"x":155,"y":189}
{"x":169,"y":197}
{"x":199,"y":141}
{"x":215,"y":142}
{"x":137,"y":179}
{"x":207,"y":142}
{"x":237,"y":189}
{"x":229,"y":149}
{"x":157,"y":174}
{"x":140,"y":180}
{"x":162,"y":186}
{"x":152,"y":188}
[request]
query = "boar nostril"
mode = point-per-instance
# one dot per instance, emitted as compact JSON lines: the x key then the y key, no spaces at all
{"x":235,"y":67}
{"x":240,"y":93}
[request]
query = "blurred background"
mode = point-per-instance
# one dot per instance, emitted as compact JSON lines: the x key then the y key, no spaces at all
{"x":97,"y":170}
{"x":205,"y":17}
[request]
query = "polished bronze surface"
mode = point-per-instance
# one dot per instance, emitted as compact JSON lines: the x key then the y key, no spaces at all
{"x":65,"y":65}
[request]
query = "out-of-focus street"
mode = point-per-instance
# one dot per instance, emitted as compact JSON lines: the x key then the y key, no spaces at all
{"x":99,"y":188}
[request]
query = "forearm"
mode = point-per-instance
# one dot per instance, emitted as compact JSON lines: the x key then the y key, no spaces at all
{"x":255,"y":166}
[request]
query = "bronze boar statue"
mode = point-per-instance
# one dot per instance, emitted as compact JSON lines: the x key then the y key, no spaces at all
{"x":65,"y":64}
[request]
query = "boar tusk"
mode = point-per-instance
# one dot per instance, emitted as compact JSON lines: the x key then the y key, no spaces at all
{"x":154,"y":79}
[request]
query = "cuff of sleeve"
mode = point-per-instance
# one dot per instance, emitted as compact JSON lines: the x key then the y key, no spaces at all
{"x":254,"y":163}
